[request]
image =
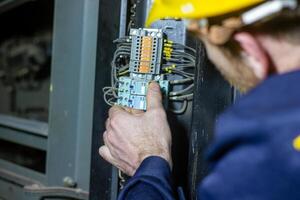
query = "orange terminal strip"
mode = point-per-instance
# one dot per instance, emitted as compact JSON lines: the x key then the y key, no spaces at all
{"x":146,"y":53}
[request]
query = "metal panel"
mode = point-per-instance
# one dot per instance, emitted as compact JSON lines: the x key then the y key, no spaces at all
{"x":103,"y":175}
{"x":212,"y":95}
{"x":25,"y":132}
{"x":22,"y":171}
{"x":34,"y":127}
{"x":24,"y":138}
{"x":9,"y":191}
{"x":72,"y":91}
{"x":16,"y":178}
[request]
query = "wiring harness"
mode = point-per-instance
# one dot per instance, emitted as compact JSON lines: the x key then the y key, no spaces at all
{"x":147,"y":55}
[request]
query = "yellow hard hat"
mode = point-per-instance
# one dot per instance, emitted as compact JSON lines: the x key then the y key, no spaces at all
{"x":195,"y":9}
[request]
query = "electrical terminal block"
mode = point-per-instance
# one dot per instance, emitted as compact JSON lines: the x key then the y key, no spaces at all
{"x":145,"y":65}
{"x":148,"y":55}
{"x":146,"y":51}
{"x":132,"y":93}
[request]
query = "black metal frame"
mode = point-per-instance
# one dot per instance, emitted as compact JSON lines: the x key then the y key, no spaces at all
{"x":212,"y":95}
{"x":104,"y":181}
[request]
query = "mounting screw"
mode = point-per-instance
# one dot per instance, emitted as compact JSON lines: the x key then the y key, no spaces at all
{"x":134,"y":32}
{"x":69,"y":182}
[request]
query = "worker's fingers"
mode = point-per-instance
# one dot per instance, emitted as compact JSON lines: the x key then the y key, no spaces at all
{"x":105,"y":153}
{"x":154,"y":96}
{"x":133,"y":111}
{"x":115,"y":110}
{"x":107,"y":124}
{"x":107,"y":142}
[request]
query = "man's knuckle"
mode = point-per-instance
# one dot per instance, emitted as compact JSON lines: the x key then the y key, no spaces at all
{"x":114,"y":121}
{"x":110,"y":137}
{"x":112,"y":111}
{"x":104,"y":139}
{"x":104,"y":135}
{"x":107,"y":122}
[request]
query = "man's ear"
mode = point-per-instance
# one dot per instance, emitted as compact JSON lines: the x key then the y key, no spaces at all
{"x":253,"y":54}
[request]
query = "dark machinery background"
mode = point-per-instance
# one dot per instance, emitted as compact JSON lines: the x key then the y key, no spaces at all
{"x":25,"y":59}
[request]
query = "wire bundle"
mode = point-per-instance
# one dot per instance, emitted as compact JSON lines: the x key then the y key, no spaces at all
{"x":178,"y":65}
{"x":119,"y":67}
{"x":180,"y":60}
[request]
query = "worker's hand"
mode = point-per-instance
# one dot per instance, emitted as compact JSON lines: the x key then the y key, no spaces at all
{"x":131,"y":135}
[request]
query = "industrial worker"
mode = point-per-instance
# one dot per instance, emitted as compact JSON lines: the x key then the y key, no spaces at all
{"x":255,"y":153}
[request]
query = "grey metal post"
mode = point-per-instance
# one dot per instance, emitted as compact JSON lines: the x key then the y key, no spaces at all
{"x":72,"y":92}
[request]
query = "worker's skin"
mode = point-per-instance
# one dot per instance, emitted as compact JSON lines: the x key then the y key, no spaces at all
{"x":131,"y":136}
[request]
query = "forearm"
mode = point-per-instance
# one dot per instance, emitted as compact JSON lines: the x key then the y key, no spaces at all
{"x":151,"y":181}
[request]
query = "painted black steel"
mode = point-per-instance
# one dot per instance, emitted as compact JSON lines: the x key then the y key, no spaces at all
{"x":103,"y":176}
{"x":212,"y":95}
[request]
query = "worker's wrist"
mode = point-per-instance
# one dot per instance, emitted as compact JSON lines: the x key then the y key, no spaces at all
{"x":166,"y":156}
{"x":154,"y":165}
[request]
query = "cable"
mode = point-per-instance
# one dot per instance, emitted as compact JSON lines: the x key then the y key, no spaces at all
{"x":177,"y":59}
{"x":182,"y":73}
{"x":180,"y":92}
{"x":123,"y":40}
{"x":182,"y":81}
{"x":109,"y":91}
{"x":182,"y":98}
{"x":123,"y":73}
{"x":182,"y":109}
{"x":177,"y":45}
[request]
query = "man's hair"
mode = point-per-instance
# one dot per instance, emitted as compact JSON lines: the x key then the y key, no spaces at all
{"x":286,"y":26}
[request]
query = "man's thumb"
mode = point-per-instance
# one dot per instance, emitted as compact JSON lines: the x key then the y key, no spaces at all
{"x":154,"y":96}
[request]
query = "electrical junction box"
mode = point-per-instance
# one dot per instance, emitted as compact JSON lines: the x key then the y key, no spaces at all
{"x":145,"y":66}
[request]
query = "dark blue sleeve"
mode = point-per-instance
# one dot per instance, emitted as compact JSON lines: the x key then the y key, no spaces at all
{"x":152,"y":181}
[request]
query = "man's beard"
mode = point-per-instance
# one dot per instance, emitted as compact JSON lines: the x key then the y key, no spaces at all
{"x":233,"y":68}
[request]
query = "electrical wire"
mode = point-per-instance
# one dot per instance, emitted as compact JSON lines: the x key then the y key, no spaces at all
{"x":181,"y":46}
{"x":182,"y":98}
{"x":182,"y":109}
{"x":177,"y":60}
{"x":181,"y":92}
{"x":182,"y":81}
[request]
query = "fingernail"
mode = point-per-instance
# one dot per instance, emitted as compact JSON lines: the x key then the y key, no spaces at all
{"x":154,"y":86}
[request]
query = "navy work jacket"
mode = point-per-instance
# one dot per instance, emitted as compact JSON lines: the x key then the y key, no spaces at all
{"x":255,"y":154}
